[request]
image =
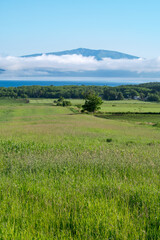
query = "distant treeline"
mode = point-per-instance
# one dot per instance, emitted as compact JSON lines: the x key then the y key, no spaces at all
{"x":144,"y":92}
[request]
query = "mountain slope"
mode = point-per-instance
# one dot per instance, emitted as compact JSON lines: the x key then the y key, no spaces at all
{"x":98,"y":54}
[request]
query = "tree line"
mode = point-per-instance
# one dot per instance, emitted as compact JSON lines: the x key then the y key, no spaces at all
{"x":144,"y":92}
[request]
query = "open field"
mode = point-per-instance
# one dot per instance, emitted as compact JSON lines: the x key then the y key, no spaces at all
{"x":77,"y":176}
{"x":112,"y":106}
{"x":130,"y":106}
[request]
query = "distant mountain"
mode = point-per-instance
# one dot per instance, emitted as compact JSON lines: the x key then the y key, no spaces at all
{"x":98,"y":54}
{"x":64,"y":72}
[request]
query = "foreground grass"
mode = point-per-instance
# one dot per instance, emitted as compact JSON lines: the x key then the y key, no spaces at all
{"x":65,"y":176}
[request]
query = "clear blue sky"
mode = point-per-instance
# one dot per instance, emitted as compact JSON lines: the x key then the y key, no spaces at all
{"x":32,"y":26}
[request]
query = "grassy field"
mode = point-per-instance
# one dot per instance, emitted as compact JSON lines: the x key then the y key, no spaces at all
{"x":77,"y":176}
{"x":111,"y":106}
{"x":148,"y":119}
{"x":130,"y":106}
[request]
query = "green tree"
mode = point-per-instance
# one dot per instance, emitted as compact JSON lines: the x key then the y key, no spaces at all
{"x":120,"y":96}
{"x":92,"y":103}
{"x":133,"y":93}
{"x":153,"y":98}
{"x":109,"y":94}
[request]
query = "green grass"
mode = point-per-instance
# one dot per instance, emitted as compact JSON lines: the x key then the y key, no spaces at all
{"x":111,"y":106}
{"x":148,"y":119}
{"x":50,"y":101}
{"x":130,"y":106}
{"x":61,"y":178}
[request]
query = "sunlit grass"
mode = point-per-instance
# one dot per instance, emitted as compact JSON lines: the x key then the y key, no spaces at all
{"x":60,"y":178}
{"x":111,"y":106}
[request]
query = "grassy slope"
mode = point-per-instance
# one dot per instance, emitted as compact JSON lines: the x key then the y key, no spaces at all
{"x":60,"y":178}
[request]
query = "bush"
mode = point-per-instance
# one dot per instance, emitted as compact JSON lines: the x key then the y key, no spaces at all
{"x":66,"y":103}
{"x":109,"y":140}
{"x":62,"y":102}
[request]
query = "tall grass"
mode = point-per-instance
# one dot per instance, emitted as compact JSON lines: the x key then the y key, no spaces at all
{"x":61,"y":179}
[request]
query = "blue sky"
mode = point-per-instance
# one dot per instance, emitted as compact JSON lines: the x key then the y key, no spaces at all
{"x":33,"y":26}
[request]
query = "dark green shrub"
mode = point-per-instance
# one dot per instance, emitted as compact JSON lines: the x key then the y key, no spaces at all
{"x":109,"y":140}
{"x":66,"y":103}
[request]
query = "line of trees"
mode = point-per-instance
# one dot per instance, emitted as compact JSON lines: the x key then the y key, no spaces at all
{"x":146,"y":92}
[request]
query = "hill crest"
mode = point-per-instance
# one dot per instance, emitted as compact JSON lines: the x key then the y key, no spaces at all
{"x":98,"y":54}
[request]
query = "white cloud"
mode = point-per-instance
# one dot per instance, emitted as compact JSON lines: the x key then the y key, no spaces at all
{"x":42,"y":64}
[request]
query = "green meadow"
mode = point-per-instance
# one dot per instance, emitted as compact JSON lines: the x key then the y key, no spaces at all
{"x":67,"y":175}
{"x":112,"y":106}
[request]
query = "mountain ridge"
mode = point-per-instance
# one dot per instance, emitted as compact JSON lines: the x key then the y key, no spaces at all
{"x":98,"y":54}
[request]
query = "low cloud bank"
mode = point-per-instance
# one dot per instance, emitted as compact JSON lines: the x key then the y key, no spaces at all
{"x":75,"y":63}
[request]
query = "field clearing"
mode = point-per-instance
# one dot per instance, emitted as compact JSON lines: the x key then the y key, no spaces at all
{"x":130,"y":106}
{"x":111,"y":106}
{"x":76,"y":176}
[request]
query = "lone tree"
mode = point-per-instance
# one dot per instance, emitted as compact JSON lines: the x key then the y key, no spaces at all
{"x":92,"y":103}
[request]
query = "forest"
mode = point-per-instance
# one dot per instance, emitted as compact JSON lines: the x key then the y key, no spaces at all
{"x":145,"y":92}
